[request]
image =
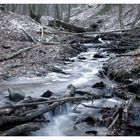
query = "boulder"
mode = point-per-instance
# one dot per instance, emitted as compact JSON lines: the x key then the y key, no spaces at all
{"x":94,"y":132}
{"x":134,"y":118}
{"x":97,"y":55}
{"x":47,"y":94}
{"x":82,"y":57}
{"x":81,"y":92}
{"x":15,"y":95}
{"x":99,"y":85}
{"x":57,"y":70}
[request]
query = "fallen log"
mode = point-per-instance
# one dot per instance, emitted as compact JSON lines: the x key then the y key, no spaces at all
{"x":65,"y":99}
{"x":27,"y":49}
{"x":104,"y":32}
{"x":4,"y":111}
{"x":66,"y":25}
{"x":72,"y":28}
{"x":30,"y":113}
{"x":12,"y":120}
{"x":18,"y":53}
{"x":20,"y":129}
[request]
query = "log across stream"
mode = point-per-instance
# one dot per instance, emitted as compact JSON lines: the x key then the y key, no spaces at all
{"x":67,"y":119}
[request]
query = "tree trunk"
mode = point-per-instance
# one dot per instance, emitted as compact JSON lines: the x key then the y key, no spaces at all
{"x":68,"y":12}
{"x":137,"y":16}
{"x":120,"y":17}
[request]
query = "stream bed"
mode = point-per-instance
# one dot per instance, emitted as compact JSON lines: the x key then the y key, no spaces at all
{"x":82,"y":73}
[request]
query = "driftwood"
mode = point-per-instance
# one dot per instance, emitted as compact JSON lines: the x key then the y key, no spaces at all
{"x":65,"y":99}
{"x":20,"y":129}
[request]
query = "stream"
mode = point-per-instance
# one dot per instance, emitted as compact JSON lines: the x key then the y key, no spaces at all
{"x":82,"y":73}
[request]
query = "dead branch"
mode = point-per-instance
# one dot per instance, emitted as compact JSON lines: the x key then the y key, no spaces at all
{"x":18,"y":53}
{"x":126,"y":109}
{"x":114,"y":121}
{"x":96,"y":107}
{"x":32,"y":38}
{"x":65,"y":99}
{"x":27,"y":49}
{"x":20,"y":129}
{"x":125,"y":55}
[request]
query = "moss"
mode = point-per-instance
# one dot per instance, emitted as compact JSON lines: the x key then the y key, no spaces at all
{"x":105,"y":9}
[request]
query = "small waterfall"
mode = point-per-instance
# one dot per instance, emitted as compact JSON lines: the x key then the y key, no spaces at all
{"x":62,"y":109}
{"x":48,"y":115}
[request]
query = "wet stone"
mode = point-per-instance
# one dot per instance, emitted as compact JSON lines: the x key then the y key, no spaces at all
{"x":81,"y":57}
{"x":57,"y":70}
{"x":97,"y":55}
{"x":134,"y":119}
{"x":15,"y":95}
{"x":80,"y":92}
{"x":47,"y":94}
{"x":99,"y":85}
{"x":94,"y":132}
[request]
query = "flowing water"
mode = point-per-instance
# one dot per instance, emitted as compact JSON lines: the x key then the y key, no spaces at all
{"x":82,"y":74}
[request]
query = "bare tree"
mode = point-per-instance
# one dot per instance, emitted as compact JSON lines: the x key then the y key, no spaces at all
{"x":35,"y":11}
{"x":68,"y":12}
{"x":120,"y":16}
{"x":137,"y":16}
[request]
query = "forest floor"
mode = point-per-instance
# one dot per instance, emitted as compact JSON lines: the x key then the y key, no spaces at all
{"x":15,"y":34}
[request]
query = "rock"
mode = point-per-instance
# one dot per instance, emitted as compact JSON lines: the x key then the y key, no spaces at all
{"x":81,"y":57}
{"x":15,"y":95}
{"x":67,"y":60}
{"x":135,"y":87}
{"x":57,"y":70}
{"x":81,"y":92}
{"x":90,"y":120}
{"x":134,"y":118}
{"x":97,"y":55}
{"x":99,"y":85}
{"x":47,"y":94}
{"x":94,"y":132}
